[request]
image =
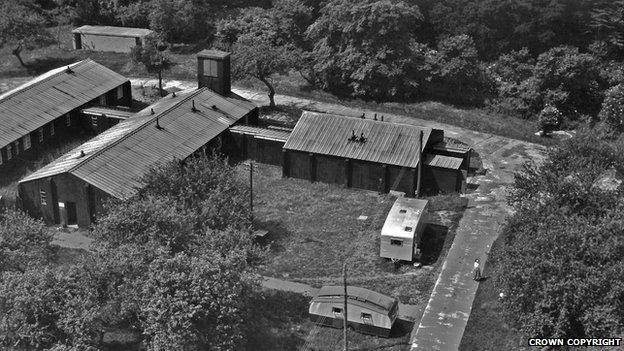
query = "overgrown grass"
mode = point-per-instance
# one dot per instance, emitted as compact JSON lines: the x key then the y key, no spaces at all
{"x":314,"y":227}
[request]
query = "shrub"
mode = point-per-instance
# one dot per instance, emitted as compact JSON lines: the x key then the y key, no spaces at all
{"x":549,"y":119}
{"x":612,"y":112}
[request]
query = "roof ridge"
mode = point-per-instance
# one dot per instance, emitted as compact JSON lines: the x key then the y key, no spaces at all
{"x":9,"y":96}
{"x":370,"y":120}
{"x":140,"y":127}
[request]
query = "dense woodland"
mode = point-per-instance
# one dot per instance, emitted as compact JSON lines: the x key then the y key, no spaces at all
{"x":551,"y":61}
{"x":181,"y":277}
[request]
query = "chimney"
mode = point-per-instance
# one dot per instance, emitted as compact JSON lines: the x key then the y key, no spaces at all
{"x":213,"y":71}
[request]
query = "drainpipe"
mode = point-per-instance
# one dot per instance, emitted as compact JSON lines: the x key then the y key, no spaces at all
{"x":420,"y":161}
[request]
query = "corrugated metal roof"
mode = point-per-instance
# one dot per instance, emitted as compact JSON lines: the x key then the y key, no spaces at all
{"x":115,"y":160}
{"x":406,"y":212}
{"x":49,"y":96}
{"x":261,"y":133}
{"x":357,"y":293}
{"x":108,"y":111}
{"x":217,"y":54}
{"x":386,"y":142}
{"x":443,"y":161}
{"x":450,"y":145}
{"x":113,"y":31}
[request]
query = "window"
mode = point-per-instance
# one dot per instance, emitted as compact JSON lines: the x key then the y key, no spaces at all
{"x":210,"y":68}
{"x":336,"y":310}
{"x":9,"y":152}
{"x":68,"y":120}
{"x":16,"y":148}
{"x":102,"y":100}
{"x":94,"y":121}
{"x":26,"y":141}
{"x":52,"y":131}
{"x":120,"y":92}
{"x":40,"y":134}
{"x":408,"y":229}
{"x":396,"y":242}
{"x":367,"y":316}
{"x":43,"y":197}
{"x":402,"y":211}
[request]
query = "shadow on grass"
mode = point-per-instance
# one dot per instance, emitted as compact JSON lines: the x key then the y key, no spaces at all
{"x":276,"y":233}
{"x":432,"y":243}
{"x":275,"y":321}
{"x":42,"y":65}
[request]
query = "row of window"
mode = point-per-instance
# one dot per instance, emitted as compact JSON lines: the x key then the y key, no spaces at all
{"x":364,"y":315}
{"x":25,"y":142}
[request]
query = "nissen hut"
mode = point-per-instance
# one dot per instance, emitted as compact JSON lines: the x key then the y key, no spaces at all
{"x":107,"y":38}
{"x":368,"y":311}
{"x":402,"y":232}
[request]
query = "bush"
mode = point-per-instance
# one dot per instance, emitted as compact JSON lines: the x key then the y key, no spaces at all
{"x":612,"y":112}
{"x":549,"y":119}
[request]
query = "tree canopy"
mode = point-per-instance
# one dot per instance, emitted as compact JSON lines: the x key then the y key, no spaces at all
{"x":21,"y":29}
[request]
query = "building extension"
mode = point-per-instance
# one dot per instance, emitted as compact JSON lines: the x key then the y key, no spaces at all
{"x":106,"y":38}
{"x":47,"y":109}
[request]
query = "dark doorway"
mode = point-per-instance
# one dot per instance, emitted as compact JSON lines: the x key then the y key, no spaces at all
{"x":72,"y":218}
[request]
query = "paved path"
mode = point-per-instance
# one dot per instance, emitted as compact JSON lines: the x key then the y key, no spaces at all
{"x":445,"y":317}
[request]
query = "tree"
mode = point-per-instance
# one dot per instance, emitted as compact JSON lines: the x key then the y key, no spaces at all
{"x":196,"y":302}
{"x":549,"y":119}
{"x":24,"y":242}
{"x":365,"y":48}
{"x":612,"y":112}
{"x":259,"y":57}
{"x":21,"y":29}
{"x":561,"y":262}
{"x":607,"y":23}
{"x":152,"y":55}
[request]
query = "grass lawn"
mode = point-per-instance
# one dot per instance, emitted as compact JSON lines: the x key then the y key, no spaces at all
{"x":314,"y":227}
{"x":41,"y":60}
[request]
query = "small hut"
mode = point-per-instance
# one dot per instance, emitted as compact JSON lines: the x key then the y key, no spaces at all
{"x":402,"y":231}
{"x":368,"y":312}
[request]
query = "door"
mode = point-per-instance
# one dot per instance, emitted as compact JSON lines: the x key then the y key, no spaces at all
{"x":72,"y":217}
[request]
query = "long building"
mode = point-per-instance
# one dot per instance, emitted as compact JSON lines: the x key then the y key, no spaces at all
{"x":373,"y":155}
{"x":48,"y":108}
{"x":107,"y":38}
{"x":71,"y":190}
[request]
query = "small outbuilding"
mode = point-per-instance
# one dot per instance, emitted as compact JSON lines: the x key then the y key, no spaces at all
{"x":402,"y":232}
{"x":107,"y":38}
{"x":368,"y":312}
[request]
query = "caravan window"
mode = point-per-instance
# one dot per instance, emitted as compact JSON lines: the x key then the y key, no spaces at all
{"x":408,"y":229}
{"x":396,"y":242}
{"x":402,"y":211}
{"x":367,"y":316}
{"x":336,"y":310}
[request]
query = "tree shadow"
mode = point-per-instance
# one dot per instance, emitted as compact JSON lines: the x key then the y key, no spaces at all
{"x":276,"y":233}
{"x":44,"y":64}
{"x":432,"y":243}
{"x":275,"y":319}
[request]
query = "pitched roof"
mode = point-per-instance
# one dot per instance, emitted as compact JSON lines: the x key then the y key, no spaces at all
{"x":262,"y":133}
{"x":386,"y":142}
{"x":356,"y":293}
{"x":115,"y":160}
{"x":441,"y":161}
{"x":113,"y":31}
{"x":49,"y":96}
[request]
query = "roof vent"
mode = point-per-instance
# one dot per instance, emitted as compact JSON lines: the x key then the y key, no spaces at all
{"x":214,"y":107}
{"x":382,"y":118}
{"x":375,"y":117}
{"x":158,"y":126}
{"x":173,"y":94}
{"x":68,"y":70}
{"x":151,"y":111}
{"x":82,"y":154}
{"x":193,"y":108}
{"x":362,"y":139}
{"x":402,"y":211}
{"x":352,"y":137}
{"x":363,"y":115}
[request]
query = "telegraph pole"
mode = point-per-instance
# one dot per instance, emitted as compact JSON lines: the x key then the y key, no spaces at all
{"x":344,"y":329}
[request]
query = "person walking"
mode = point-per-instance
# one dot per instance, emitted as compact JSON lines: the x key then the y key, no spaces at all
{"x":477,"y":270}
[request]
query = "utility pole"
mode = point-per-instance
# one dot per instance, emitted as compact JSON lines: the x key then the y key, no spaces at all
{"x":250,"y":193}
{"x":420,"y":162}
{"x":344,"y":329}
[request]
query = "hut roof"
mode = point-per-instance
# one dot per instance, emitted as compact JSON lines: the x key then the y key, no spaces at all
{"x":356,"y":293}
{"x":385,"y":142}
{"x":404,"y":217}
{"x":113,"y":31}
{"x":51,"y":95}
{"x":116,"y":160}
